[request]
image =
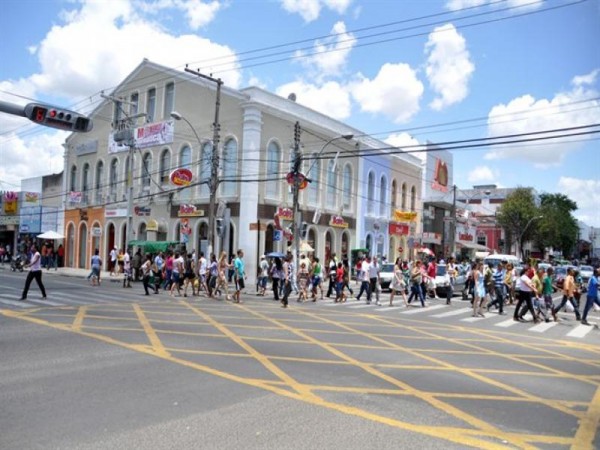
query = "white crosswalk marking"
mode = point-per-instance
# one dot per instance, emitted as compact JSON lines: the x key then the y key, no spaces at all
{"x":389,"y":308}
{"x":506,"y":323}
{"x":580,"y":331}
{"x":542,"y":327}
{"x":423,"y":310}
{"x":361,"y":306}
{"x":478,"y":318}
{"x":455,"y":312}
{"x":16,"y":303}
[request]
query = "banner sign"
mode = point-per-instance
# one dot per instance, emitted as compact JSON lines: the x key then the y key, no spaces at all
{"x":32,"y":197}
{"x":75,"y":197}
{"x":398,"y":229}
{"x":10,"y":202}
{"x":160,"y":133}
{"x":285,"y":214}
{"x":440,"y":176}
{"x":338,"y":222}
{"x":142,"y":210}
{"x":119,"y":212}
{"x":404,"y":216}
{"x":189,"y":211}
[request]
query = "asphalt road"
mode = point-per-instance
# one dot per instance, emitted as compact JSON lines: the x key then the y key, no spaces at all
{"x":106,"y":368}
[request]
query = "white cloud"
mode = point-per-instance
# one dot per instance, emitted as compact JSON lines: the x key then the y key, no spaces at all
{"x":310,"y":9}
{"x":200,"y":13}
{"x":587,"y":195}
{"x":329,"y":55}
{"x":331,"y":98}
{"x":526,"y":114}
{"x":395,"y":92}
{"x":449,"y":67}
{"x":455,"y":5}
{"x":483,"y":174}
{"x":406,"y":141}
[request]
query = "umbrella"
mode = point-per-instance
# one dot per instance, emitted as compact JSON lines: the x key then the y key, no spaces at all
{"x":50,"y":235}
{"x":275,"y":255}
{"x":304,"y":247}
{"x":426,"y":250}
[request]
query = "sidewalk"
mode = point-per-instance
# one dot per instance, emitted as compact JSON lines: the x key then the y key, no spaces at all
{"x":69,"y":272}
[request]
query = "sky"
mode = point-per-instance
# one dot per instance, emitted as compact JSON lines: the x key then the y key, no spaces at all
{"x":407,"y":72}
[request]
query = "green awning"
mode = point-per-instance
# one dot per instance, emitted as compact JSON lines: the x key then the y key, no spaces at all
{"x":154,"y":246}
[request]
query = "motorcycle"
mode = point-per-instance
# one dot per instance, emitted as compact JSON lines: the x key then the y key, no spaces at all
{"x":17,"y":263}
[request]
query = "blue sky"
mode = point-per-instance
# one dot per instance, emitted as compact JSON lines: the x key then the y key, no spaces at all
{"x":394,"y":69}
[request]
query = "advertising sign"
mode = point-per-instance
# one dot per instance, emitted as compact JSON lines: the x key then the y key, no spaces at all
{"x":189,"y":211}
{"x":398,"y":229}
{"x":75,"y":197}
{"x":285,"y":213}
{"x":404,"y":216}
{"x":9,"y":200}
{"x":181,"y":177}
{"x":160,"y":133}
{"x":119,"y":212}
{"x":338,"y":222}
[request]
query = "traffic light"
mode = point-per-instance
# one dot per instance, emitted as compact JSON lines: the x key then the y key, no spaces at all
{"x":220,"y":227}
{"x":303,"y":230}
{"x":55,"y":117}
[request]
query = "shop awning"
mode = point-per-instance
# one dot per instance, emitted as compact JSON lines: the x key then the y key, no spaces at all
{"x":154,"y":246}
{"x":473,"y":245}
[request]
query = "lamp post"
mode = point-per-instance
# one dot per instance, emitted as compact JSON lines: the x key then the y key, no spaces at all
{"x":296,"y":186}
{"x":523,"y":233}
{"x":213,"y":182}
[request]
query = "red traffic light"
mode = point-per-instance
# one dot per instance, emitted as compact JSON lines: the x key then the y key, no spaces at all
{"x":57,"y":117}
{"x":52,"y":113}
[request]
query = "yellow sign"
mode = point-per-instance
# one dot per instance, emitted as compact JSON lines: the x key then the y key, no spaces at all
{"x":405,"y":216}
{"x":152,"y":225}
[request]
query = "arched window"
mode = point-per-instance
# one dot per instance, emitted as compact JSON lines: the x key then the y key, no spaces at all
{"x":413,"y":198}
{"x":85,"y":181}
{"x":371,"y":193}
{"x":142,"y":234}
{"x":331,"y":185}
{"x":73,"y":181}
{"x":383,"y":196}
{"x":314,"y":175}
{"x":185,"y":158}
{"x":169,"y":99}
{"x":230,"y":159}
{"x":403,"y":197}
{"x":146,"y":170}
{"x":114,"y":165}
{"x":273,"y":160}
{"x":150,"y":104}
{"x":394,"y":194}
{"x":347,"y":193}
{"x":204,"y":168}
{"x":165,"y":166}
{"x":99,"y":181}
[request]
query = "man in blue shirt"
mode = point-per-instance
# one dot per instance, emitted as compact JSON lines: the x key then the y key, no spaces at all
{"x":592,"y":296}
{"x":498,"y":278}
{"x":240,"y":275}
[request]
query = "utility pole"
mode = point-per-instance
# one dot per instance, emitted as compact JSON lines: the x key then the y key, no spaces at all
{"x":213,"y":183}
{"x":453,"y":224}
{"x":296,"y":192}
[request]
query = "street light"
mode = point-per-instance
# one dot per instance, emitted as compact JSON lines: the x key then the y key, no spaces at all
{"x":213,"y":182}
{"x":296,"y":189}
{"x":524,"y":230}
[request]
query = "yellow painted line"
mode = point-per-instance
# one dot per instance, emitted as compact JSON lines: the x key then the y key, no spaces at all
{"x":262,"y":359}
{"x":588,"y":426}
{"x":79,"y":318}
{"x":157,"y":345}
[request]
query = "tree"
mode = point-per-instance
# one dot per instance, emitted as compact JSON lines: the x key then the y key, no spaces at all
{"x":558,"y":228}
{"x":517,"y":214}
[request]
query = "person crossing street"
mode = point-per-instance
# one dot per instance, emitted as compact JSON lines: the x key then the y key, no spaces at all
{"x":35,"y":273}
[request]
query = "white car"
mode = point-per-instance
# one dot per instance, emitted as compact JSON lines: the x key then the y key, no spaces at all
{"x":586,"y":273}
{"x":386,"y":275}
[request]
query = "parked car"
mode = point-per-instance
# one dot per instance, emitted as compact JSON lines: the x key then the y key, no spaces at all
{"x":560,"y":273}
{"x":586,"y":273}
{"x":385,"y":276}
{"x":442,"y":281}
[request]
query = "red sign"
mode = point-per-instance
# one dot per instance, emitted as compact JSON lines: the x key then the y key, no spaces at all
{"x":400,"y":249}
{"x":285,"y":214}
{"x":181,"y":177}
{"x":338,"y":222}
{"x":468,"y":237}
{"x":398,"y":229}
{"x":440,"y":177}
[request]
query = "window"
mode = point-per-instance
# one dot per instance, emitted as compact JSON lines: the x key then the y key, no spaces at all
{"x":150,"y":104}
{"x":273,"y":160}
{"x":382,"y":197}
{"x":146,"y":170}
{"x":185,"y":158}
{"x":117,"y":113}
{"x":205,"y":166}
{"x":347,"y":194}
{"x":99,"y":180}
{"x":371,"y":193}
{"x":403,"y":197}
{"x":413,"y":198}
{"x":113,"y":178}
{"x":165,"y":165}
{"x":134,"y":101}
{"x":73,"y":183}
{"x":230,"y":167}
{"x":314,"y":175}
{"x":169,"y":99}
{"x":394,"y":195}
{"x":85,"y":181}
{"x":482,"y":239}
{"x":331,"y":185}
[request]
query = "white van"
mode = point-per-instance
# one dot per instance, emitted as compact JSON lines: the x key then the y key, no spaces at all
{"x":495,"y":259}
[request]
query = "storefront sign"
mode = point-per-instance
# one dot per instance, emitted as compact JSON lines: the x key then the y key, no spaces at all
{"x":116,"y":147}
{"x":405,"y":216}
{"x":96,"y":231}
{"x":75,"y":197}
{"x":142,"y":211}
{"x":285,"y":214}
{"x":189,"y":211}
{"x":398,"y":229}
{"x":440,"y":176}
{"x":119,"y":212}
{"x":432,"y":238}
{"x":255,"y":226}
{"x":152,"y":225}
{"x":181,"y":177}
{"x":10,"y":202}
{"x":160,"y":133}
{"x":9,"y":220}
{"x":31,"y":197}
{"x":86,"y":148}
{"x":31,"y":219}
{"x":338,"y":222}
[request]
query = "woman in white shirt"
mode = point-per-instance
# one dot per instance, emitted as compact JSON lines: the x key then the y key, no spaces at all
{"x":35,"y":272}
{"x":525,"y":290}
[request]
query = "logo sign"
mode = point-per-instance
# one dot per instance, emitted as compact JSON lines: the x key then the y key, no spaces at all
{"x":31,"y":197}
{"x":277,"y":235}
{"x":181,"y":177}
{"x":96,"y":231}
{"x":440,"y":177}
{"x":10,"y":202}
{"x":285,"y":214}
{"x":152,"y":225}
{"x":405,"y":216}
{"x":338,"y":222}
{"x":189,"y":211}
{"x":398,"y":229}
{"x":119,"y":212}
{"x":142,"y":211}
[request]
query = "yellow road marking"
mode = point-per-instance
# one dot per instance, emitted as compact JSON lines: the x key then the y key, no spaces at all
{"x":155,"y":342}
{"x":79,"y":318}
{"x":588,"y":427}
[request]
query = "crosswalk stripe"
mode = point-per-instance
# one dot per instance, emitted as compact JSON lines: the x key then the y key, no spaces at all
{"x":542,"y":327}
{"x":422,"y":310}
{"x":16,"y":303}
{"x":580,"y":331}
{"x":455,"y":312}
{"x":45,"y":302}
{"x":478,"y":318}
{"x":361,"y":306}
{"x":506,"y":323}
{"x":389,"y":308}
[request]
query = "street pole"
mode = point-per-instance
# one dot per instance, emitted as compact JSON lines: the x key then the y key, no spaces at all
{"x":296,"y":193}
{"x":214,"y":181}
{"x":453,"y":223}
